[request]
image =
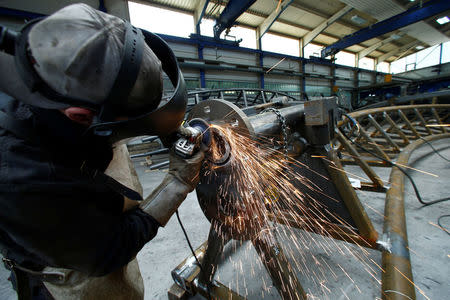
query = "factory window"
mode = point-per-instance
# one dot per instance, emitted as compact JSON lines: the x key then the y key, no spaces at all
{"x":207,"y":27}
{"x":383,"y":67}
{"x":159,"y":20}
{"x":398,"y":66}
{"x":427,"y":57}
{"x":345,"y":58}
{"x":247,"y":35}
{"x":446,"y":52}
{"x":311,"y":50}
{"x":422,"y":59}
{"x":367,"y":63}
{"x":279,"y":44}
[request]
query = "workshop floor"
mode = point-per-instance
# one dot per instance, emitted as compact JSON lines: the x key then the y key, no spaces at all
{"x":337,"y":271}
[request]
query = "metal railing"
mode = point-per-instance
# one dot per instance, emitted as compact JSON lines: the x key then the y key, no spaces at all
{"x":241,"y":97}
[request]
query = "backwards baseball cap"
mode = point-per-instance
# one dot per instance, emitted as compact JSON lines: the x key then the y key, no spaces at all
{"x":83,"y":57}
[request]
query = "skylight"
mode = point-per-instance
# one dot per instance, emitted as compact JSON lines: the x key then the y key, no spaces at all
{"x":443,"y":20}
{"x":159,"y":20}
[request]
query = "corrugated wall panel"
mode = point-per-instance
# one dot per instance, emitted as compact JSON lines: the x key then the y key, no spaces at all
{"x":183,"y":50}
{"x":233,"y":57}
{"x":286,"y":64}
{"x":317,"y":69}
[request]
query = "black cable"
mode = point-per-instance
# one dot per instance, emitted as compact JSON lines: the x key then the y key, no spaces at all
{"x":434,"y":149}
{"x":416,"y":190}
{"x":439,"y":223}
{"x":193,"y":253}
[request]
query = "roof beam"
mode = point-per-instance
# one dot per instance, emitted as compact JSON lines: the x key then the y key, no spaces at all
{"x":324,"y":25}
{"x":412,"y":15}
{"x":229,"y":15}
{"x":329,"y":35}
{"x":199,"y":12}
{"x":367,"y":51}
{"x":395,"y":51}
{"x":265,"y":25}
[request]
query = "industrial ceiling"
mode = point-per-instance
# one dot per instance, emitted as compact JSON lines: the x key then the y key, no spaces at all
{"x":325,"y":22}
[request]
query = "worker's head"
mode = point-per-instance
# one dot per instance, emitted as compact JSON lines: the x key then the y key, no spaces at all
{"x":94,"y":66}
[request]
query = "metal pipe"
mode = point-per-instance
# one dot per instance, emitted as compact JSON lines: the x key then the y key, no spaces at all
{"x":397,"y":275}
{"x":160,"y":165}
{"x":150,"y":139}
{"x":267,"y":123}
{"x":159,"y":151}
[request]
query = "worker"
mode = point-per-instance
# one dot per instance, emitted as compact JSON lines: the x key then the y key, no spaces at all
{"x":72,"y":84}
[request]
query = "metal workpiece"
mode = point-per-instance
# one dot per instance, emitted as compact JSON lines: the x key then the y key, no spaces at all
{"x":361,"y":162}
{"x":264,"y":123}
{"x":377,"y":136}
{"x":222,"y":112}
{"x":408,"y":127}
{"x":154,"y":152}
{"x":354,"y":206}
{"x":215,"y":245}
{"x":267,"y":123}
{"x":422,"y":121}
{"x":277,"y":265}
{"x":383,"y":133}
{"x":396,"y":263}
{"x":395,"y":127}
{"x":185,"y":273}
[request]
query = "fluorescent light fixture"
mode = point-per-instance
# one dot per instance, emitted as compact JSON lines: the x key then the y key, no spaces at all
{"x":358,"y":20}
{"x":395,"y":36}
{"x":443,"y":20}
{"x":420,"y":47}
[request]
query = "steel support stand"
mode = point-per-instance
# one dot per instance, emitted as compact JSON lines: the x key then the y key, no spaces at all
{"x":278,"y":267}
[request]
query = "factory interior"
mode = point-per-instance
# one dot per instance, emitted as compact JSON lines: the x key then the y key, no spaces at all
{"x":329,"y":132}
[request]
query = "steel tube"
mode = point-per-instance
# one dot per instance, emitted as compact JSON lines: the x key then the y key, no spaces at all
{"x":160,"y":165}
{"x":363,"y":113}
{"x":159,"y":151}
{"x":396,"y":263}
{"x":268,"y":124}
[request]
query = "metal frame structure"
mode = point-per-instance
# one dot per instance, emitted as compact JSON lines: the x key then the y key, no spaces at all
{"x":387,"y":132}
{"x":241,"y":97}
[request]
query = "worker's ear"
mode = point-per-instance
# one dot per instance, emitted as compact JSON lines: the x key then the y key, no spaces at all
{"x":79,"y":115}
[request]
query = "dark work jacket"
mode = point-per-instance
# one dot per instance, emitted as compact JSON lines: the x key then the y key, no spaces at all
{"x":51,"y":212}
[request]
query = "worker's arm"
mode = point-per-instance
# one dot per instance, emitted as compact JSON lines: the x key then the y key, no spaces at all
{"x":77,"y":226}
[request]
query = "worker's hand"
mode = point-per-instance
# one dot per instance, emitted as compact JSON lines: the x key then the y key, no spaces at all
{"x":182,"y":178}
{"x":186,"y":170}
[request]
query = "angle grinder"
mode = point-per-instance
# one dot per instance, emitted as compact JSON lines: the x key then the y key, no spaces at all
{"x":195,"y":134}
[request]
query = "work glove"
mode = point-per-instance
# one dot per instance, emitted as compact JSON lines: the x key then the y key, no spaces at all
{"x":182,"y":178}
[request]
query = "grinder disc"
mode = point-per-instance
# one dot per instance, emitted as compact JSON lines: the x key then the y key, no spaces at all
{"x":223,"y":207}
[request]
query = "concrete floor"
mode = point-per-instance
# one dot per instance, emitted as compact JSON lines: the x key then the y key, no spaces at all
{"x":325,"y":274}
